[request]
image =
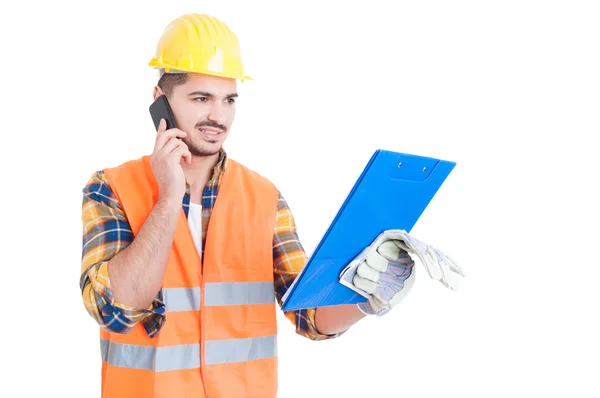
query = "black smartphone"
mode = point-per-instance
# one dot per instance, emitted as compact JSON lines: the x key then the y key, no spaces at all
{"x":160,"y":109}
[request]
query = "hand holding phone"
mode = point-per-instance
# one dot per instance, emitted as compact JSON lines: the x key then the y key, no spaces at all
{"x":168,"y":152}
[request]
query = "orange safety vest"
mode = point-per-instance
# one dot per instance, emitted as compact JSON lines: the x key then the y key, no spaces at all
{"x":220,"y":335}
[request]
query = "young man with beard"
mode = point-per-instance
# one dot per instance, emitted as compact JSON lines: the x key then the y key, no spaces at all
{"x":186,"y":252}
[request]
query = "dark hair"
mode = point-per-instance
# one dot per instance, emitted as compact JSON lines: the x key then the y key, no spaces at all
{"x":168,"y":81}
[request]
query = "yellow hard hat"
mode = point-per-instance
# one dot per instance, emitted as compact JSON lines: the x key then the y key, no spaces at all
{"x":199,"y":43}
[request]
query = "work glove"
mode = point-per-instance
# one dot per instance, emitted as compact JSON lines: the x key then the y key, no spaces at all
{"x":440,"y":266}
{"x":384,"y":272}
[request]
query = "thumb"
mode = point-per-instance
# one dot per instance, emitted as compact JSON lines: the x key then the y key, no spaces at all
{"x":162,"y":126}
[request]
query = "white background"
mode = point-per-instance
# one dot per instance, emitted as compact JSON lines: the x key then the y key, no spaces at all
{"x":509,"y":90}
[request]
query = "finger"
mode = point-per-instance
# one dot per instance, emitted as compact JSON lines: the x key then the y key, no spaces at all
{"x":187,"y":156}
{"x":180,"y":152}
{"x":431,"y":265}
{"x":366,"y":271}
{"x":377,"y":261}
{"x":163,"y":137}
{"x":434,"y":266}
{"x":441,"y":268}
{"x":452,"y":280}
{"x":168,"y":147}
{"x":389,"y":250}
{"x":172,"y":144}
{"x":454,"y":267}
{"x":444,"y":264}
{"x":162,"y":126}
{"x":364,"y":284}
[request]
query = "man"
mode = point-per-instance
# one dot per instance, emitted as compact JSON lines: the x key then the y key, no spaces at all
{"x":186,"y":251}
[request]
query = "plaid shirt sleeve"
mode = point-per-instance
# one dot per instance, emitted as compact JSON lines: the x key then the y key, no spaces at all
{"x":106,"y":232}
{"x":289,"y":258}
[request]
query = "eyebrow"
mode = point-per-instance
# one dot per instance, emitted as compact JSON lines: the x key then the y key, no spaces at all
{"x":210,"y":95}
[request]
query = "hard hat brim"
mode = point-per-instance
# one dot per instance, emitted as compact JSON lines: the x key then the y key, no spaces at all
{"x":155,"y":64}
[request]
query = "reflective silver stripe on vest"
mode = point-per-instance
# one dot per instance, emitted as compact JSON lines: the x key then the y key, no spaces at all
{"x":239,"y":293}
{"x":157,"y":359}
{"x":219,"y":294}
{"x":160,"y":359}
{"x":240,"y":350}
{"x":181,"y":299}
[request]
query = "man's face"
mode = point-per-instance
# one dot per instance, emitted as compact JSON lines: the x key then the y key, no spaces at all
{"x":204,"y":107}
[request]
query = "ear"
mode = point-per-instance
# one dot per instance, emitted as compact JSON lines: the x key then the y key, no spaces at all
{"x":157,"y":92}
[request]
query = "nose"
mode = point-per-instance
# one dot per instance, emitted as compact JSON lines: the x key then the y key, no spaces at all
{"x":216,"y":113}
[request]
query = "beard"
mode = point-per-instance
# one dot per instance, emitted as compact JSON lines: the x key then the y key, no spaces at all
{"x":197,"y":150}
{"x":210,"y":149}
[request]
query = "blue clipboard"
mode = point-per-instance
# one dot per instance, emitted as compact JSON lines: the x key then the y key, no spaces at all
{"x":391,"y":193}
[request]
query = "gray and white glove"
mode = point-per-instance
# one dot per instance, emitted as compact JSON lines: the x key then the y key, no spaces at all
{"x":440,"y":266}
{"x":384,"y":272}
{"x":387,"y":274}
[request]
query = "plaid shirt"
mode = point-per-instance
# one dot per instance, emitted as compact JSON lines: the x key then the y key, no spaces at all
{"x":106,"y":231}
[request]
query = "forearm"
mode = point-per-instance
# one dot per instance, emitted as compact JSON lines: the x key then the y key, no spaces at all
{"x":336,"y":319}
{"x":136,"y":273}
{"x":115,"y":318}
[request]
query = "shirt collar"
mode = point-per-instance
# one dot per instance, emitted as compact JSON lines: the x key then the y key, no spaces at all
{"x":218,"y":170}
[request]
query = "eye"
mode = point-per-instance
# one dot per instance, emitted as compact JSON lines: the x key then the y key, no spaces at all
{"x":230,"y":100}
{"x":201,"y":99}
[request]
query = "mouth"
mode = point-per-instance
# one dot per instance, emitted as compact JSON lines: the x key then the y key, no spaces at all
{"x":211,"y":133}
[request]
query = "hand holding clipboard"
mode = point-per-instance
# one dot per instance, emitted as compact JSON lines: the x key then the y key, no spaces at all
{"x":368,"y":273}
{"x":391,"y":194}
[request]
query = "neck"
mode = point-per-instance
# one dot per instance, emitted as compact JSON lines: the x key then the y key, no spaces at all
{"x":199,"y":172}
